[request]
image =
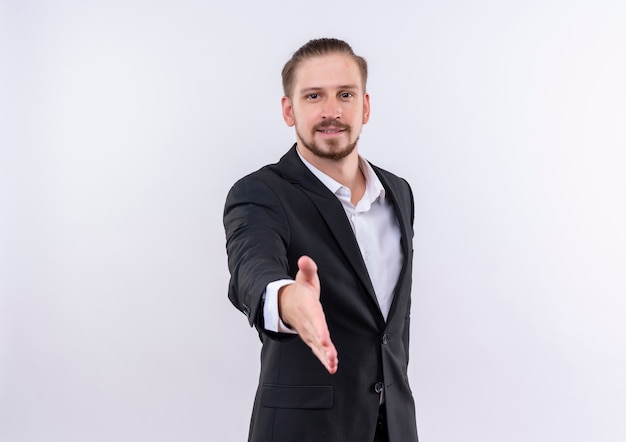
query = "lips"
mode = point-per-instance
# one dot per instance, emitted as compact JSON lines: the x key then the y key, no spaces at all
{"x":331,"y":131}
{"x":331,"y":128}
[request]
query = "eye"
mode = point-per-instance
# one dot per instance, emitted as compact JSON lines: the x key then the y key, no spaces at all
{"x":313,"y":96}
{"x":347,"y":95}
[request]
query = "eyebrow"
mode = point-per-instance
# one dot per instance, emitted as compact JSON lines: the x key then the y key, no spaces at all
{"x":317,"y":89}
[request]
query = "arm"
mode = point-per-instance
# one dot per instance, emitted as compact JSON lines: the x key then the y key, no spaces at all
{"x":257,"y":239}
{"x":257,"y":236}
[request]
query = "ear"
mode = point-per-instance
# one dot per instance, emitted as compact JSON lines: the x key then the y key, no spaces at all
{"x":288,"y":111}
{"x":366,"y":108}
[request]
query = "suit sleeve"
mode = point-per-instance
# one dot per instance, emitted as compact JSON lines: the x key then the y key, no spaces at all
{"x":257,"y":235}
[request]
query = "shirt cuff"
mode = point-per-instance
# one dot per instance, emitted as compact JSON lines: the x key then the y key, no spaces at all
{"x":271,"y":317}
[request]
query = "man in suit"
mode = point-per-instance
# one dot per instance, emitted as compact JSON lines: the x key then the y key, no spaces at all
{"x":320,"y":254}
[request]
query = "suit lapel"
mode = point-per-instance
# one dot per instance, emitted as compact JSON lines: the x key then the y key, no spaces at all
{"x":402,"y":211}
{"x":331,"y":210}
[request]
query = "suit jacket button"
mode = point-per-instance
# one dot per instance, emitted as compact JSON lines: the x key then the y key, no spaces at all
{"x":246,"y":310}
{"x":378,"y":387}
{"x":385,"y":339}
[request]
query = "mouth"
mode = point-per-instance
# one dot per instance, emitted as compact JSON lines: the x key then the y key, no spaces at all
{"x":331,"y":131}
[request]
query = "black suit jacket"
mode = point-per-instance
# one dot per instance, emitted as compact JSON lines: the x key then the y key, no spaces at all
{"x":272,"y":217}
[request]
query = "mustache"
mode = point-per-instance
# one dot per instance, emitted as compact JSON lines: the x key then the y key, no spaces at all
{"x":326,"y":124}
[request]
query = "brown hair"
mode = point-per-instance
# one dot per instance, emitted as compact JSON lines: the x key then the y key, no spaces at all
{"x":318,"y":48}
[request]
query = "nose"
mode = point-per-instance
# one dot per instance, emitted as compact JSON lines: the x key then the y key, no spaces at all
{"x":332,"y":109}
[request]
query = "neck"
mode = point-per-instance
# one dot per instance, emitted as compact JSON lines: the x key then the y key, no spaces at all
{"x":345,"y":171}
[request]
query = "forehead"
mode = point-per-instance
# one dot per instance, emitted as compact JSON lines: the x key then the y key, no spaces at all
{"x":328,"y":71}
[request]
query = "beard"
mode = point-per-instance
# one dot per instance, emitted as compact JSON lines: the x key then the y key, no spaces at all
{"x":334,"y":150}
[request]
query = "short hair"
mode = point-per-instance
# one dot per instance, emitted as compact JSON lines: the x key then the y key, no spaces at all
{"x":318,"y":48}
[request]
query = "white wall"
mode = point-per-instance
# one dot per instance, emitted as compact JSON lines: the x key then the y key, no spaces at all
{"x":124,"y":123}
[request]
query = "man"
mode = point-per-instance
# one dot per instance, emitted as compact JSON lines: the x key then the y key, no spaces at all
{"x":320,"y":250}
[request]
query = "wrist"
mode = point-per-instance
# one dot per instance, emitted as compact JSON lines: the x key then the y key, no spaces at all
{"x":283,"y":295}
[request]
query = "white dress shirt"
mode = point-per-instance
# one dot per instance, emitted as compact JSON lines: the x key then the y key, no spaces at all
{"x":377,"y":232}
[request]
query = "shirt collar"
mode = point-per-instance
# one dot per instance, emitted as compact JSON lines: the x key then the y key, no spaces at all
{"x":373,"y":187}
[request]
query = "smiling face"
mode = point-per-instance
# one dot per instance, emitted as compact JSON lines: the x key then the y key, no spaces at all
{"x":327,"y":106}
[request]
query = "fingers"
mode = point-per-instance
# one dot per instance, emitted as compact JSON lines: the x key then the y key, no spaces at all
{"x":327,"y":355}
{"x":317,"y":337}
{"x":332,"y":360}
{"x":308,"y":270}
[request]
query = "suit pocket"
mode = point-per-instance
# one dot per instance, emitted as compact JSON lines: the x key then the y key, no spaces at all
{"x":309,"y":397}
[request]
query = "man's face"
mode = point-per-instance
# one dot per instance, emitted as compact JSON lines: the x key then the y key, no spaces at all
{"x":328,"y":105}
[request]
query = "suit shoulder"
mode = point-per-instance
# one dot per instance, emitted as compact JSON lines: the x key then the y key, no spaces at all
{"x":264,"y":188}
{"x":400,"y":190}
{"x":268,"y":172}
{"x":391,"y":177}
{"x":266,"y":176}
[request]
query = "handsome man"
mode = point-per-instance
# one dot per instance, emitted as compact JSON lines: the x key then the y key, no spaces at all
{"x":320,"y":250}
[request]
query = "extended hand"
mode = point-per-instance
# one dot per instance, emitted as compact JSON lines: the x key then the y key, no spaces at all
{"x":299,"y":306}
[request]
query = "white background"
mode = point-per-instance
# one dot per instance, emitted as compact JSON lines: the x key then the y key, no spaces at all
{"x":124,"y":123}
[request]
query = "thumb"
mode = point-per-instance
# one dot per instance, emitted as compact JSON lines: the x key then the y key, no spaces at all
{"x":308,"y":271}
